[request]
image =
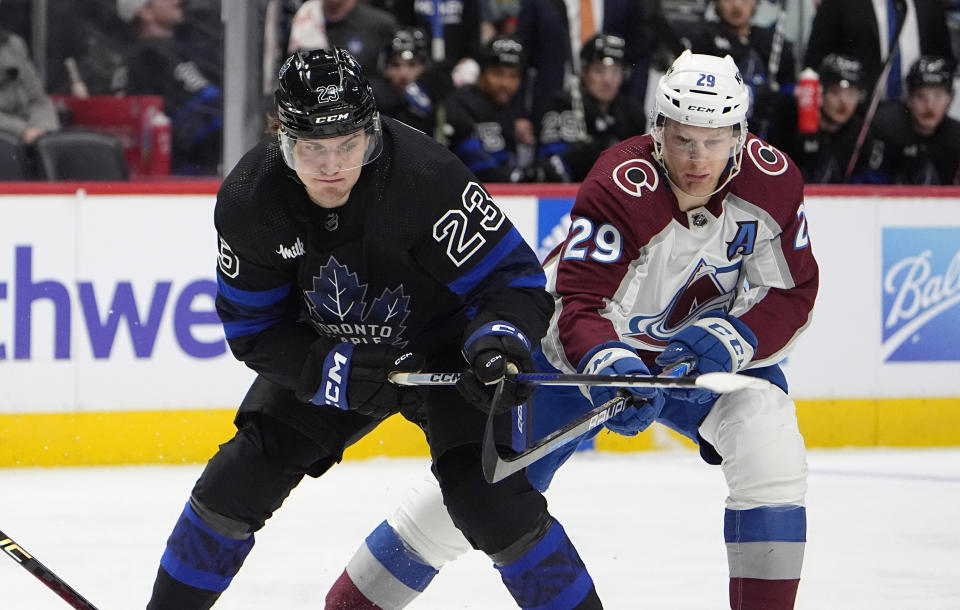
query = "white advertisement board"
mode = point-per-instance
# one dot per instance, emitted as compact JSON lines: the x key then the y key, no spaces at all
{"x":106,"y":301}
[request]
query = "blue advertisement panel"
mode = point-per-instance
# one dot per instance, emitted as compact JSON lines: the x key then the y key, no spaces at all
{"x":921,"y":294}
{"x":553,"y":220}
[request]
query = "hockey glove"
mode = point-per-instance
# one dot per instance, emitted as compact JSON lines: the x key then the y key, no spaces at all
{"x":489,"y":350}
{"x":716,"y":342}
{"x":616,"y":358}
{"x":357,"y":378}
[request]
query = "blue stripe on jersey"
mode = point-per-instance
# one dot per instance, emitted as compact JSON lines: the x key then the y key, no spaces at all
{"x":529,"y":281}
{"x":200,"y":557}
{"x":766,"y":523}
{"x":252,"y":298}
{"x":553,"y":148}
{"x":504,"y":249}
{"x":405,"y":565}
{"x":474,"y":156}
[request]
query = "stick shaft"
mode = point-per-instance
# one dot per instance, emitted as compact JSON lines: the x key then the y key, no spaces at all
{"x":549,"y":379}
{"x":44,"y":574}
{"x":878,"y":89}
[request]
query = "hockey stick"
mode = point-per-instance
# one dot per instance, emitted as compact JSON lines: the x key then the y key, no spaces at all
{"x":43,"y":573}
{"x":496,"y":467}
{"x":719,"y":383}
{"x":776,"y":46}
{"x":877,"y":91}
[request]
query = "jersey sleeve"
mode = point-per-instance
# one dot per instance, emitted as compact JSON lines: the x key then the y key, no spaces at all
{"x":475,"y":251}
{"x":591,"y":267}
{"x":782,"y":279}
{"x":259,"y":305}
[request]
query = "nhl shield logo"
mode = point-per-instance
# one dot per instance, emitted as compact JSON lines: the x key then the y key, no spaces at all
{"x":332,"y":222}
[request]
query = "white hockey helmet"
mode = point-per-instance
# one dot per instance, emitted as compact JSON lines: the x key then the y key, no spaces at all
{"x":703,"y":91}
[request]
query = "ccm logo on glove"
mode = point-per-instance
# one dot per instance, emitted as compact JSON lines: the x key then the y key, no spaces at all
{"x":336,"y":369}
{"x":740,"y":351}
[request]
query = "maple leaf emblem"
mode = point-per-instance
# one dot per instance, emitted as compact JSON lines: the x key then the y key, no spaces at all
{"x":338,"y":307}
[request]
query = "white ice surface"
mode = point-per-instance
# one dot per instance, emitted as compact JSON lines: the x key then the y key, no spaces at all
{"x":883,"y":533}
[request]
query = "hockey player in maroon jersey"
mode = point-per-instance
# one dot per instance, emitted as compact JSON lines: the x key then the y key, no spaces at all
{"x":352,"y":246}
{"x":688,"y":244}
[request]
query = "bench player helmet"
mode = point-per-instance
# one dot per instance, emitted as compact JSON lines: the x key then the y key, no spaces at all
{"x":324,"y":94}
{"x":408,"y":44}
{"x":502,"y":51}
{"x":841,"y":70}
{"x":605,"y":48}
{"x":702,"y":91}
{"x":930,"y":71}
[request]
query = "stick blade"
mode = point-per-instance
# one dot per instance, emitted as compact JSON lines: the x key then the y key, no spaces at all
{"x":722,"y":383}
{"x":489,"y":457}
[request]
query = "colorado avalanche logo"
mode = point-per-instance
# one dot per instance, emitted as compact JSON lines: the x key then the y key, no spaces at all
{"x":768,"y":159}
{"x":708,"y":287}
{"x":633,"y":175}
{"x":338,"y":308}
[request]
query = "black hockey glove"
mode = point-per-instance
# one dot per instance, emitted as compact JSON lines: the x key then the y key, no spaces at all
{"x":357,"y":377}
{"x":489,"y":350}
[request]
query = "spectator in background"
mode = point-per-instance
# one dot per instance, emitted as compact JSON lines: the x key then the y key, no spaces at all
{"x":408,"y":87}
{"x":158,"y":65}
{"x":864,"y":29}
{"x":551,"y":31}
{"x":25,"y":109}
{"x":581,"y":124}
{"x":773,"y":109}
{"x":481,"y":121}
{"x":358,"y":27}
{"x":914,"y":142}
{"x":823,"y":156}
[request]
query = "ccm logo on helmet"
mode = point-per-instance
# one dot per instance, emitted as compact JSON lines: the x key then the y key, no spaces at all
{"x":701,"y":109}
{"x":333,"y":118}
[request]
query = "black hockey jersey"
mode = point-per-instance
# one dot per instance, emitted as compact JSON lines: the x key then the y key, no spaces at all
{"x":897,"y":155}
{"x":418,"y":253}
{"x":823,"y":156}
{"x":560,"y":130}
{"x":481,"y":133}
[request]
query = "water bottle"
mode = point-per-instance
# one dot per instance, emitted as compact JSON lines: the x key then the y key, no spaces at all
{"x":808,"y":101}
{"x":160,"y":144}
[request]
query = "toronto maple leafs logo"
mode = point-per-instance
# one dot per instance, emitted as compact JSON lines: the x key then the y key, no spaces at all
{"x":338,"y":308}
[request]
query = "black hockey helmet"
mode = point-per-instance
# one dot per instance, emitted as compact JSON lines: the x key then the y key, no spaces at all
{"x":608,"y":48}
{"x":841,"y":70}
{"x":930,"y":71}
{"x":408,"y":43}
{"x":502,"y":51}
{"x":324,"y":94}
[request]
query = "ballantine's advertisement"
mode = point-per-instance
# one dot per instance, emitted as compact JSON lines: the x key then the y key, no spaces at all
{"x":921,"y":294}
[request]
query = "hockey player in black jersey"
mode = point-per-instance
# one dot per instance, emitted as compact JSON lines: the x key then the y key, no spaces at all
{"x":410,"y":87}
{"x":483,"y":126}
{"x":350,"y":247}
{"x":914,"y":141}
{"x":575,"y":129}
{"x":823,"y":156}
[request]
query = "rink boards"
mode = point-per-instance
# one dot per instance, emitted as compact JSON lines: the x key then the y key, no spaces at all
{"x":111,"y":352}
